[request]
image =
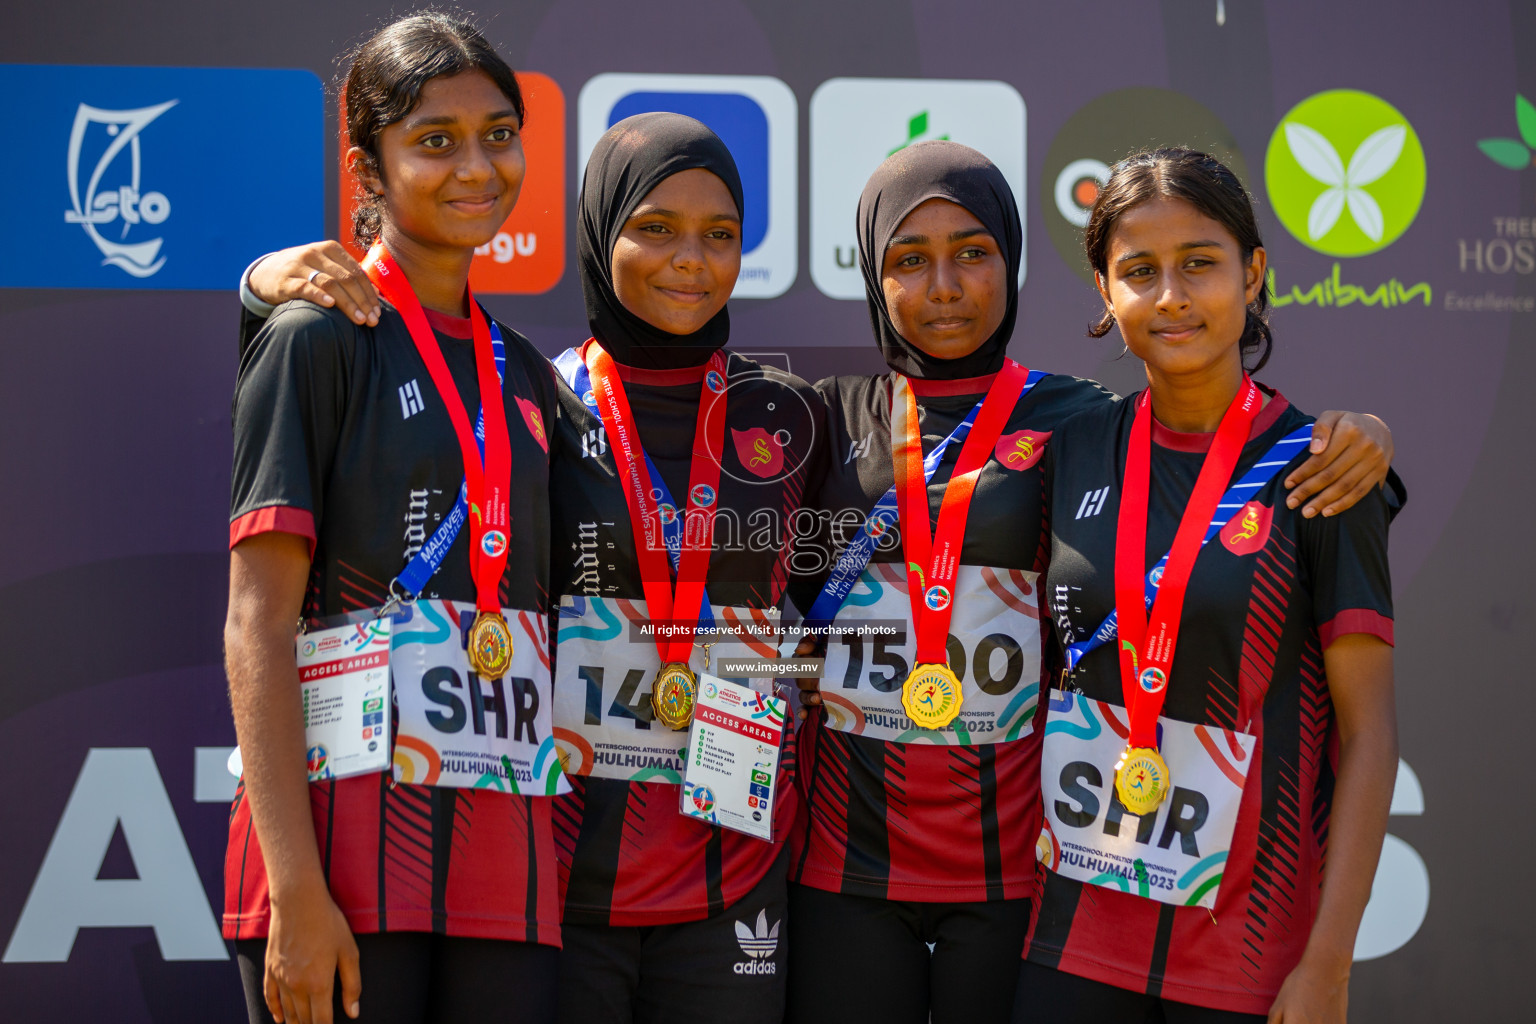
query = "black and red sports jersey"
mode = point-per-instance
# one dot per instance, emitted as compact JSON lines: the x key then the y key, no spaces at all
{"x":914,"y":821}
{"x":1260,"y":610}
{"x":341,"y":437}
{"x":628,"y":856}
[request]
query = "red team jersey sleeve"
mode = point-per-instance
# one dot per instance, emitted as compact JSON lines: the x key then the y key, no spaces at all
{"x":287,"y":420}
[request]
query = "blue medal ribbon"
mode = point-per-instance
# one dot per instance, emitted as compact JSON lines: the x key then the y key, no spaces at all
{"x":573,"y":370}
{"x":1235,"y":498}
{"x":425,"y":563}
{"x":882,"y":517}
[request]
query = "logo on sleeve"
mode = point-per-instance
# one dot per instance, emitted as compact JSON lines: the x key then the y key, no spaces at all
{"x":759,"y":944}
{"x":760,"y":452}
{"x":1248,"y":531}
{"x":1022,"y":448}
{"x":534,"y":420}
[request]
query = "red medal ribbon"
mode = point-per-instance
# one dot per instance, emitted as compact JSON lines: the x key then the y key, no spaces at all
{"x":1147,"y":648}
{"x":663,"y":604}
{"x":489,"y":483}
{"x":933,"y":559}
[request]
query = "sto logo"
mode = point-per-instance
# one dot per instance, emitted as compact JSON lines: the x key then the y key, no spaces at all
{"x":1248,"y":530}
{"x":760,"y":452}
{"x":1021,"y":449}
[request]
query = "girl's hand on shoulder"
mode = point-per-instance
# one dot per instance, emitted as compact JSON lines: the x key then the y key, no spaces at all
{"x":321,"y":272}
{"x":1351,"y":453}
{"x":1313,"y":994}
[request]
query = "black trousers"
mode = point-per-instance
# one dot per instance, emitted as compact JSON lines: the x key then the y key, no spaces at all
{"x":853,"y":958}
{"x":421,"y":978}
{"x":1049,"y":996}
{"x":729,"y":967}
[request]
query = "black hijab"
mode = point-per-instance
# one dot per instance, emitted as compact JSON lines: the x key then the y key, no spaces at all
{"x":937,"y":170}
{"x":633,"y":157}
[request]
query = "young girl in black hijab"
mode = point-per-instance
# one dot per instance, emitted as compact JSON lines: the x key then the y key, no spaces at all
{"x":657,"y":905}
{"x":914,"y":867}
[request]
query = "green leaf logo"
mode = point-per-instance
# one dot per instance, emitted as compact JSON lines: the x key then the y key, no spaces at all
{"x":1345,"y":173}
{"x":917,"y":127}
{"x":1514,"y":153}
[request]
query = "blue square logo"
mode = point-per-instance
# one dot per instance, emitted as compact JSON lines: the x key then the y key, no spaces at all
{"x":756,"y":118}
{"x":159,"y":177}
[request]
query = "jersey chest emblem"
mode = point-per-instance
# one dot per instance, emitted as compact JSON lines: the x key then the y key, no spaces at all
{"x":760,"y":452}
{"x":534,"y":420}
{"x":1021,"y":449}
{"x":1248,"y":530}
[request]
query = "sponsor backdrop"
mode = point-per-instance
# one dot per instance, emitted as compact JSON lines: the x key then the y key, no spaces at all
{"x":162,"y":145}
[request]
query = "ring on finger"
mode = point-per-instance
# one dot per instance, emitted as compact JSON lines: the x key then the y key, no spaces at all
{"x":313,"y":274}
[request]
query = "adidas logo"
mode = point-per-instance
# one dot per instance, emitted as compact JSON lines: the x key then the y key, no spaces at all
{"x":1092,"y":504}
{"x":758,"y":945}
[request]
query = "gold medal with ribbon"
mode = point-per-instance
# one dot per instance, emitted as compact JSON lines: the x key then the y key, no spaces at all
{"x":674,"y":609}
{"x":931,"y":696}
{"x":490,"y":645}
{"x":1141,"y":780}
{"x":673,"y":694}
{"x":1150,"y":608}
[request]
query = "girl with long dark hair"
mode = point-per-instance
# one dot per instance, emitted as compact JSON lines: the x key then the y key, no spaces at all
{"x":366,"y":508}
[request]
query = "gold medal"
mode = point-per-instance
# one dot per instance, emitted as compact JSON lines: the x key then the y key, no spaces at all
{"x":931,"y":696}
{"x":672,"y":695}
{"x":490,"y":646}
{"x":1141,"y":780}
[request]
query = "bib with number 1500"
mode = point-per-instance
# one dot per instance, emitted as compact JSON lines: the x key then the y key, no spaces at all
{"x":604,"y":667}
{"x":993,"y":648}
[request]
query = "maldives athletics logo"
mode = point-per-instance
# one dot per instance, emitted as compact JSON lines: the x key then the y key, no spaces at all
{"x":493,"y":543}
{"x":937,"y":597}
{"x":1345,"y":173}
{"x":1153,"y":679}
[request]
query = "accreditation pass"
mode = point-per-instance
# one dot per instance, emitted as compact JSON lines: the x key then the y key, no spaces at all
{"x":733,"y":757}
{"x":344,"y":679}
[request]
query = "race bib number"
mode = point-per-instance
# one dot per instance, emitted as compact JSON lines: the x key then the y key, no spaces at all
{"x":344,"y":683}
{"x":605,"y":665}
{"x":733,"y":757}
{"x":460,"y":731}
{"x":1175,"y":855}
{"x":994,"y":650}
